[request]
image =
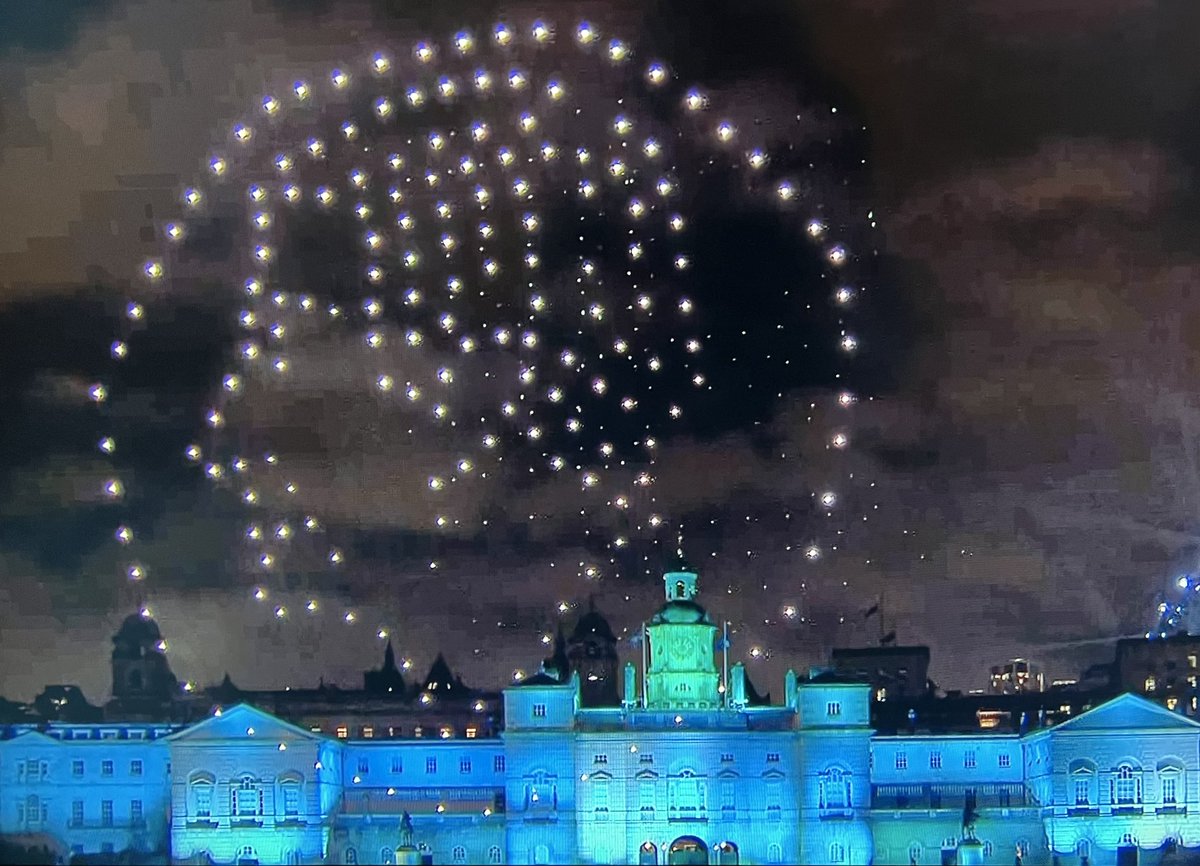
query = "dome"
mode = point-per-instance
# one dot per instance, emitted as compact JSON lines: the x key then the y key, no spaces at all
{"x":682,"y":613}
{"x":136,"y":633}
{"x":592,"y":624}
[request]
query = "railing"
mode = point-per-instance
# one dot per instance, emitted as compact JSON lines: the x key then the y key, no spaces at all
{"x":928,"y":796}
{"x":101,"y":824}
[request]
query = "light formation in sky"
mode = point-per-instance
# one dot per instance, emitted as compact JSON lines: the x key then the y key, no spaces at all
{"x":519,"y":299}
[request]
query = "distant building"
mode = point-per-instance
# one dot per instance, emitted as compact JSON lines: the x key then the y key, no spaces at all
{"x":1163,"y":669}
{"x":1017,"y":676}
{"x":892,"y":671}
{"x":687,"y":768}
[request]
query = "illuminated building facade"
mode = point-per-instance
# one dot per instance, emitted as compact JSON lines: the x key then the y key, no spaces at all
{"x":685,"y":768}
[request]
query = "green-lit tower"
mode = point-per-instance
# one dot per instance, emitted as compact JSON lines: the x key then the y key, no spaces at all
{"x":682,"y":671}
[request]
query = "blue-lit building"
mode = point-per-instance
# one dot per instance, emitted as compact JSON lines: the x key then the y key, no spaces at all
{"x":684,"y":767}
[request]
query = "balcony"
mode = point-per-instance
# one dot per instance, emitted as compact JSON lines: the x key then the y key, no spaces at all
{"x":926,"y":797}
{"x":1083,"y":810}
{"x":101,"y":824}
{"x":1171,"y":809}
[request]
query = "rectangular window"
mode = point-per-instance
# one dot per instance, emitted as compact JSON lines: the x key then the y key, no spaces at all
{"x":291,"y":799}
{"x":833,"y":709}
{"x":498,"y":764}
{"x":727,"y":758}
{"x":77,"y":769}
{"x":472,"y":733}
{"x":727,"y":795}
{"x":203,"y":794}
{"x":106,"y":813}
{"x":77,"y":813}
{"x":135,"y":812}
{"x":106,"y":768}
{"x":646,"y":796}
{"x":1168,"y":791}
{"x":136,"y":768}
{"x":364,"y":766}
{"x":431,"y":765}
{"x":368,"y":732}
{"x":901,"y":761}
{"x":342,"y":732}
{"x":600,"y":759}
{"x":1005,"y":761}
{"x":539,"y":711}
{"x":247,"y":800}
{"x":1082,"y":792}
{"x":969,"y":759}
{"x":600,"y":797}
{"x":772,"y":757}
{"x":935,"y":760}
{"x":397,"y":764}
{"x":464,"y":765}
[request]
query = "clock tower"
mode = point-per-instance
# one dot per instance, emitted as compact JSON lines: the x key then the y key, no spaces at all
{"x":682,"y":673}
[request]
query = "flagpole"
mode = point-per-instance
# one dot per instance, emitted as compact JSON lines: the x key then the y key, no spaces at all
{"x":882,"y":598}
{"x":725,"y":649}
{"x":645,"y":663}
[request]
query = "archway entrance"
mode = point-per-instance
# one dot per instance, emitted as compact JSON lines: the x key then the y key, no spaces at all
{"x":727,"y":854}
{"x":687,"y":851}
{"x":648,"y":854}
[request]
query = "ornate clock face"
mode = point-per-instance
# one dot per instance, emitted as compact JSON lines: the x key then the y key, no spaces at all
{"x":683,"y":648}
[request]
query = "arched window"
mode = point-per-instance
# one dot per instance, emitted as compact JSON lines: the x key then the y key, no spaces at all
{"x":459,"y":854}
{"x":1023,"y":849}
{"x":1083,"y":849}
{"x":247,"y":856}
{"x":292,"y":858}
{"x":1129,"y":841}
{"x":1127,"y":786}
{"x":200,"y":796}
{"x":386,"y":855}
{"x":774,"y":853}
{"x":686,"y":794}
{"x":541,"y":854}
{"x":288,"y":795}
{"x":350,"y":856}
{"x":988,"y":849}
{"x":494,"y":854}
{"x":246,"y":797}
{"x":914,"y":852}
{"x":835,"y":789}
{"x":648,"y":854}
{"x":837,"y":853}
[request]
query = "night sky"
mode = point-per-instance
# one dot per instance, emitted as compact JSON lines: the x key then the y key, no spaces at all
{"x":1014,"y":184}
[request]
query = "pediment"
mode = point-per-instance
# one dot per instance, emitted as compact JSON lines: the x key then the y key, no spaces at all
{"x":774,"y":774}
{"x":30,"y":738}
{"x":244,"y":722}
{"x":728,"y":774}
{"x":601,"y":776}
{"x":1128,"y":713}
{"x":646,"y":774}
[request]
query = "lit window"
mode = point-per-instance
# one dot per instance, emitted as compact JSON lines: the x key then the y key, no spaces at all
{"x":247,"y":799}
{"x":1151,"y":684}
{"x":472,"y":733}
{"x":368,"y":732}
{"x":342,"y":732}
{"x":1192,"y":662}
{"x":1127,"y":786}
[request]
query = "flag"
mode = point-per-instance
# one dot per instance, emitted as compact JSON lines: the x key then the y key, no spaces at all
{"x":888,"y":638}
{"x":635,"y":639}
{"x":871,"y":611}
{"x":723,"y":643}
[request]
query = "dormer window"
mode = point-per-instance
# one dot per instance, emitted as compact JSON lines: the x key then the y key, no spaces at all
{"x":680,"y":591}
